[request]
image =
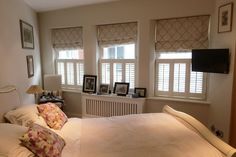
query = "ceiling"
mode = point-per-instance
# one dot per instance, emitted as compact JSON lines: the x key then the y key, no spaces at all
{"x":48,"y":5}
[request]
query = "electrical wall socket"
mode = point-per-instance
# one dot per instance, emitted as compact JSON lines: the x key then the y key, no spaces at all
{"x":217,"y":132}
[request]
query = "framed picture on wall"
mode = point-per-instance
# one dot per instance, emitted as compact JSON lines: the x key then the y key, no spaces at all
{"x":30,"y":65}
{"x":225,"y":13}
{"x":90,"y":84}
{"x":27,"y":35}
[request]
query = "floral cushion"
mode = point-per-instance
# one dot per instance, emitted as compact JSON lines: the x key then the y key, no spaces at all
{"x":42,"y":141}
{"x":53,"y":115}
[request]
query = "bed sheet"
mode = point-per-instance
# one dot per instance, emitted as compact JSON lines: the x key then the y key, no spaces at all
{"x":149,"y":135}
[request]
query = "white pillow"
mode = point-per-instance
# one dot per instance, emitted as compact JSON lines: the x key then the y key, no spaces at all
{"x":25,"y":116}
{"x":10,"y":143}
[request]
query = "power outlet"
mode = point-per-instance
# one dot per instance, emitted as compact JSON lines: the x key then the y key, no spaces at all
{"x":217,"y":132}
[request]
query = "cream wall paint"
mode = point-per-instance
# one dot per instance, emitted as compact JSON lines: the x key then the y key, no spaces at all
{"x":220,"y":91}
{"x":13,"y":67}
{"x":144,"y":12}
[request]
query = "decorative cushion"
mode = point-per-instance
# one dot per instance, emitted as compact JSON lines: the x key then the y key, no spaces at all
{"x":53,"y":115}
{"x":25,"y":116}
{"x":42,"y":141}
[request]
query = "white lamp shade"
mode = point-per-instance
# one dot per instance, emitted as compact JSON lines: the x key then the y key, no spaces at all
{"x":52,"y":82}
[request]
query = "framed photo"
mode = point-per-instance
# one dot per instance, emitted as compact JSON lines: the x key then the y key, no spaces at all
{"x":225,"y":13}
{"x":140,"y":91}
{"x":121,"y":88}
{"x":90,"y":84}
{"x":27,"y":35}
{"x":30,"y":66}
{"x":104,"y":89}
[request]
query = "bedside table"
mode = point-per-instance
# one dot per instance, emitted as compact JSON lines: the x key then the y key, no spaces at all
{"x":53,"y":99}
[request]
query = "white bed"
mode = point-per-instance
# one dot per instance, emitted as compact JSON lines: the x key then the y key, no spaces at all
{"x":167,"y":134}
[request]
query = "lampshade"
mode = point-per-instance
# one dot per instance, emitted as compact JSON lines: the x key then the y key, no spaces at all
{"x":52,"y":82}
{"x":34,"y":89}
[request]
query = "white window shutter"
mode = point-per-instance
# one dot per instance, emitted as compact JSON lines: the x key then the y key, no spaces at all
{"x":196,"y":82}
{"x":80,"y":73}
{"x":130,"y":74}
{"x":106,"y":73}
{"x":174,"y":78}
{"x":117,"y":69}
{"x":70,"y":74}
{"x":163,"y":77}
{"x":179,"y":77}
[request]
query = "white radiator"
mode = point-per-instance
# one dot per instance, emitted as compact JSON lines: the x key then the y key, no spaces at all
{"x":108,"y":105}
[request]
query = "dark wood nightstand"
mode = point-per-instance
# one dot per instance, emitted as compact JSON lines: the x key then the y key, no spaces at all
{"x":53,"y":99}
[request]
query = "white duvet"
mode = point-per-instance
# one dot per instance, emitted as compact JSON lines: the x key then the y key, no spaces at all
{"x":145,"y":135}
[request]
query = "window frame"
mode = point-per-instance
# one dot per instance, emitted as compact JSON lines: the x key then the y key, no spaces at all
{"x":74,"y":62}
{"x":170,"y":93}
{"x":118,"y":61}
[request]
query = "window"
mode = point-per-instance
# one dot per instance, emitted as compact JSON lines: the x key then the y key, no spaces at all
{"x":174,"y":77}
{"x":69,"y":56}
{"x":117,"y":58}
{"x":70,"y":65}
{"x":174,"y":39}
{"x":117,"y":64}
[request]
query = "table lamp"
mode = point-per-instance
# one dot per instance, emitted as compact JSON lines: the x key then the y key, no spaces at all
{"x":52,"y":83}
{"x":34,"y":89}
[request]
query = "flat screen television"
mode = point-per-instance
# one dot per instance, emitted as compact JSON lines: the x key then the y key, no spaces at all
{"x":210,"y":60}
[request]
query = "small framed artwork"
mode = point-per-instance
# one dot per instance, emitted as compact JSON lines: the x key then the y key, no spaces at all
{"x":141,"y":92}
{"x":30,"y":66}
{"x":90,"y":84}
{"x":104,"y":89}
{"x":121,"y":88}
{"x":27,"y":35}
{"x":225,"y":14}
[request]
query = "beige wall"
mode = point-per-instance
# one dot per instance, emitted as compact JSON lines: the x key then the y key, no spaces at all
{"x":220,"y":91}
{"x":13,"y":67}
{"x":144,"y":12}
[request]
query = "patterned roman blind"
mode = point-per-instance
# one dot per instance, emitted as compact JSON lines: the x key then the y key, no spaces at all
{"x":115,"y":34}
{"x":182,"y":34}
{"x":67,"y":38}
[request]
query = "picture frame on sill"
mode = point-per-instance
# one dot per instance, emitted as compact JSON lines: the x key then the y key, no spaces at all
{"x":141,"y":92}
{"x":90,"y":83}
{"x":30,"y":66}
{"x":104,"y":89}
{"x":121,"y":88}
{"x":27,"y":35}
{"x":225,"y":14}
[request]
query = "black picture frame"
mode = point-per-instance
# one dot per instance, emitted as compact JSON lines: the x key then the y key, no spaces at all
{"x":121,"y":88}
{"x":90,"y":84}
{"x":27,"y":35}
{"x":104,"y":89}
{"x":30,"y":65}
{"x":225,"y":17}
{"x":141,"y":92}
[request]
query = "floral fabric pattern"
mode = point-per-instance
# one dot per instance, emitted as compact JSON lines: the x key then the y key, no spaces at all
{"x":53,"y":115}
{"x":42,"y":141}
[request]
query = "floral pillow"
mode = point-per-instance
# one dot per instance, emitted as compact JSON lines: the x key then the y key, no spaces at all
{"x":53,"y":115}
{"x":42,"y":141}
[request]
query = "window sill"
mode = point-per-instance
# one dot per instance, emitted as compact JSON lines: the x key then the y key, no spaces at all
{"x":72,"y":90}
{"x":180,"y":100}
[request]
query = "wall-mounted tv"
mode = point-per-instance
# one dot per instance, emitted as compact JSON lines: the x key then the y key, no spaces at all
{"x":210,"y":60}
